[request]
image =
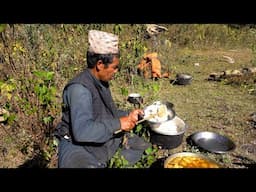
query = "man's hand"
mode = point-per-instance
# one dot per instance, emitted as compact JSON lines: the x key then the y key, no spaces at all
{"x":129,"y":122}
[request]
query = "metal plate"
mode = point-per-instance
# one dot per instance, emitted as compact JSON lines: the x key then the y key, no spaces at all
{"x":212,"y":142}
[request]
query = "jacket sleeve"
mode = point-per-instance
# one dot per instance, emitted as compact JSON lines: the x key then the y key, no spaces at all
{"x":83,"y":127}
{"x":122,"y":113}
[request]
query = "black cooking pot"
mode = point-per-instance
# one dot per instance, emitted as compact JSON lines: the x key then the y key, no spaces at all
{"x":166,"y":141}
{"x":135,"y":99}
{"x":168,"y":135}
{"x":183,"y":79}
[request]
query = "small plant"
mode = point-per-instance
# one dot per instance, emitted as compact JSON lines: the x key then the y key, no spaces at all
{"x":148,"y":158}
{"x":118,"y":161}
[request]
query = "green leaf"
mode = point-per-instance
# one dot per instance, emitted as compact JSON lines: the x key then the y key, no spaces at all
{"x":45,"y":75}
{"x":124,"y":91}
{"x":149,"y":150}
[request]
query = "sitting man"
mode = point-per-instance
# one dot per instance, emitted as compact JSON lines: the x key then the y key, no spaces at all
{"x":89,"y":133}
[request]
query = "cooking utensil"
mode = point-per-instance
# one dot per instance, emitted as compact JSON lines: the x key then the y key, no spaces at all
{"x":212,"y":142}
{"x":148,"y":117}
{"x":163,"y":110}
{"x":183,"y":79}
{"x":155,"y":115}
{"x":168,"y":134}
{"x":135,"y":99}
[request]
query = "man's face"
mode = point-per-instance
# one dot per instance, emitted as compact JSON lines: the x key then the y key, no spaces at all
{"x":107,"y":73}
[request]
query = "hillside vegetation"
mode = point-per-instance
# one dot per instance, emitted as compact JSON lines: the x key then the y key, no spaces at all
{"x":37,"y":60}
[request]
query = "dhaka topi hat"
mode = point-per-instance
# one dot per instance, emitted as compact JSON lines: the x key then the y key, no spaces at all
{"x":101,"y":42}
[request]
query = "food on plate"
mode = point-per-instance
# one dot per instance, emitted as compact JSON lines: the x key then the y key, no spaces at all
{"x":157,"y":112}
{"x":162,"y":111}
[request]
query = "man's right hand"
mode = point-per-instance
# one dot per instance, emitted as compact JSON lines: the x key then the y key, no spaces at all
{"x":129,"y":122}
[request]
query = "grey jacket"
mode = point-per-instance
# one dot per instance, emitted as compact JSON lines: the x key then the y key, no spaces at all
{"x":89,"y":118}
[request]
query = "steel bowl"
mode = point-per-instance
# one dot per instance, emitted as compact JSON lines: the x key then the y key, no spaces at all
{"x":212,"y":142}
{"x":190,"y":160}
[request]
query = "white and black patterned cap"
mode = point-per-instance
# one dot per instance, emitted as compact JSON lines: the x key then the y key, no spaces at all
{"x":101,"y":42}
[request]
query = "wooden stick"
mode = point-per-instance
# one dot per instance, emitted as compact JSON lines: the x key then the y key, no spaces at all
{"x":140,"y":121}
{"x":118,"y":131}
{"x":147,"y":118}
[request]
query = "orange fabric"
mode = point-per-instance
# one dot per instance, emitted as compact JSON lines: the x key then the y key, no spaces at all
{"x":156,"y":68}
{"x":144,"y":68}
{"x":150,"y":66}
